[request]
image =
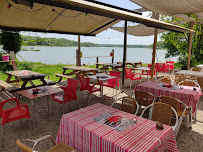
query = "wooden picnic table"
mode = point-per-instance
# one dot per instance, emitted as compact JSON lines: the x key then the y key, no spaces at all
{"x":105,"y":66}
{"x":25,"y":76}
{"x":134,"y":64}
{"x":78,"y":70}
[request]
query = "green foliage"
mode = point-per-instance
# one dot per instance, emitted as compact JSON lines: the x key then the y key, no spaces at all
{"x":24,"y":65}
{"x":4,"y":66}
{"x":183,"y":60}
{"x":61,"y":42}
{"x":160,"y":45}
{"x":177,"y":44}
{"x":11,"y":41}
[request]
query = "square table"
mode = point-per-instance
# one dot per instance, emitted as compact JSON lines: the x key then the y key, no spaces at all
{"x":28,"y":93}
{"x":103,"y":79}
{"x":187,"y":95}
{"x":146,"y":69}
{"x":25,"y":76}
{"x":79,"y":130}
{"x":134,"y":64}
{"x":190,"y":73}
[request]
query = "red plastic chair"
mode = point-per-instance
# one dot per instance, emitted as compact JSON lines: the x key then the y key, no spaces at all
{"x":85,"y":85}
{"x":170,"y":65}
{"x":16,"y":113}
{"x":161,"y":67}
{"x":69,"y":93}
{"x":131,"y":76}
{"x":112,"y":82}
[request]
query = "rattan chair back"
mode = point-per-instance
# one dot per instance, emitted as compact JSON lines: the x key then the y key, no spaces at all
{"x":143,"y":98}
{"x":162,"y":112}
{"x":200,"y":81}
{"x":179,"y":78}
{"x":166,"y":80}
{"x":188,"y":83}
{"x":129,"y":105}
{"x":170,"y":101}
{"x":196,"y":69}
{"x":23,"y":147}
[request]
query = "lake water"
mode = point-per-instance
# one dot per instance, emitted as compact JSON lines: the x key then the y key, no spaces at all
{"x":66,"y":55}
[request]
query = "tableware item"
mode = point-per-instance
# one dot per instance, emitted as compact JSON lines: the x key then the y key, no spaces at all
{"x":159,"y":125}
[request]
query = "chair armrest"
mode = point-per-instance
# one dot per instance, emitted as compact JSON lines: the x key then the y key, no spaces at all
{"x":6,"y":113}
{"x":13,"y":99}
{"x":40,"y":139}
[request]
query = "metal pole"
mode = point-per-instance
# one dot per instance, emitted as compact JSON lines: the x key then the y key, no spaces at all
{"x":113,"y":56}
{"x":124,"y":53}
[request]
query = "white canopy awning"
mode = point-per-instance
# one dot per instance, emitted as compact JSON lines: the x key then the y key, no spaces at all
{"x":172,"y":7}
{"x":82,"y":17}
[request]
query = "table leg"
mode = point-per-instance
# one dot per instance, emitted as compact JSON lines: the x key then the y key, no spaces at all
{"x":48,"y":104}
{"x":33,"y":118}
{"x":116,"y":90}
{"x":24,"y":84}
{"x":9,"y":78}
{"x":64,"y":70}
{"x":43,"y":81}
{"x":101,"y":91}
{"x":32,"y":84}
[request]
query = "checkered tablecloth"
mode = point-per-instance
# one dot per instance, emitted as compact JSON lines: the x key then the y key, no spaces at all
{"x":79,"y":130}
{"x":189,"y":96}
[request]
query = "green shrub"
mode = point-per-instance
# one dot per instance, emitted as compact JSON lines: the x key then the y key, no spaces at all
{"x":183,"y":60}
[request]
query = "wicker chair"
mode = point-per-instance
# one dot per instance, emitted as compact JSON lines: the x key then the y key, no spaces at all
{"x":196,"y":69}
{"x":200,"y":81}
{"x":179,"y":78}
{"x":189,"y":83}
{"x":56,"y":148}
{"x":175,"y":103}
{"x":129,"y":105}
{"x":144,"y":98}
{"x":162,"y":112}
{"x":166,"y":80}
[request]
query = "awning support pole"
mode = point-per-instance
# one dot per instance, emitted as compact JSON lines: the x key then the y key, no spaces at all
{"x":78,"y":57}
{"x":154,"y":49}
{"x":190,"y":47}
{"x":124,"y":53}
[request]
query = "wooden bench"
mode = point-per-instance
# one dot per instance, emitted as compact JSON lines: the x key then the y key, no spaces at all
{"x":65,"y":76}
{"x":50,"y":82}
{"x":6,"y":86}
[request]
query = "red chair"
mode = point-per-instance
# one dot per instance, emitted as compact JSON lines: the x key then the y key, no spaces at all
{"x":131,"y":76}
{"x":16,"y":113}
{"x":148,"y":72}
{"x":161,"y":67}
{"x":69,"y":93}
{"x":112,"y":82}
{"x":85,"y":85}
{"x":170,"y":65}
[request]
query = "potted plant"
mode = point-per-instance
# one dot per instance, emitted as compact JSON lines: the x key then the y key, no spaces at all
{"x":5,"y":57}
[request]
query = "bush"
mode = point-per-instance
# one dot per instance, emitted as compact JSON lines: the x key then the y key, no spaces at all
{"x":11,"y":41}
{"x":4,"y":66}
{"x":24,"y":65}
{"x":183,"y":60}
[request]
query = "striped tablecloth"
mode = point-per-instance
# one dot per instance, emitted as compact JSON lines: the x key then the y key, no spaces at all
{"x":186,"y":94}
{"x":78,"y":129}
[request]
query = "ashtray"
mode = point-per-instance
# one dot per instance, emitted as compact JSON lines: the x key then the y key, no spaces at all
{"x":159,"y":125}
{"x":35,"y":91}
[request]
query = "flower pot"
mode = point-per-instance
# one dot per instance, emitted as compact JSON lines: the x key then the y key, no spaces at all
{"x":5,"y":57}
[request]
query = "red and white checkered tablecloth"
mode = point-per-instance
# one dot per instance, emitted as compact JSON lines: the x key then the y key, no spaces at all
{"x":79,"y":130}
{"x":189,"y":96}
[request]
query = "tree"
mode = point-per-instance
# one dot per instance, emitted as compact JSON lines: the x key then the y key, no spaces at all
{"x":11,"y":41}
{"x":177,"y":44}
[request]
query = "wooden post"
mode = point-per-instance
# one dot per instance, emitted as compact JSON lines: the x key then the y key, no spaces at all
{"x":97,"y":59}
{"x":113,"y":56}
{"x":190,"y":46}
{"x":78,"y":57}
{"x":154,"y":49}
{"x":12,"y":57}
{"x":124,"y":53}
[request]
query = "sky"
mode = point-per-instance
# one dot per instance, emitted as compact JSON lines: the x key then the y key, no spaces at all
{"x":108,"y":36}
